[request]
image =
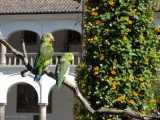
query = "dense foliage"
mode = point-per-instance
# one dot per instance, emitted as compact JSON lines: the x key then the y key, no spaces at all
{"x":118,"y":69}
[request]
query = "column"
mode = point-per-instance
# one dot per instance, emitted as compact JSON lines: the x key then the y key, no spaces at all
{"x":2,"y":111}
{"x":43,"y":111}
{"x":3,"y":57}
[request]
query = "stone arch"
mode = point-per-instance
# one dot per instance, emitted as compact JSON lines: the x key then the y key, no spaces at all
{"x":13,"y":80}
{"x":66,"y":29}
{"x":12,"y":26}
{"x":19,"y":30}
{"x":62,"y":24}
{"x":21,"y":97}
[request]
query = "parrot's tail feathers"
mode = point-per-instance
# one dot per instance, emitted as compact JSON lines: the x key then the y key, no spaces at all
{"x":37,"y":78}
{"x":34,"y":61}
{"x":38,"y":75}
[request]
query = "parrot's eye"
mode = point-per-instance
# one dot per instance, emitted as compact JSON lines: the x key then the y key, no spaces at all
{"x":49,"y":36}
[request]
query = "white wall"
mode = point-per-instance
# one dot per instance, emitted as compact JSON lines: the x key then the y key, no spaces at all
{"x":42,"y":23}
{"x":62,"y":102}
{"x":62,"y":99}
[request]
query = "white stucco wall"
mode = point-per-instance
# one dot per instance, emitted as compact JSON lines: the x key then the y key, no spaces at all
{"x":40,"y":24}
{"x":62,"y":99}
{"x":62,"y":102}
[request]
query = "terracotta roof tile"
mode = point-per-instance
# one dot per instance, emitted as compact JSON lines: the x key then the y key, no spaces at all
{"x":39,"y":6}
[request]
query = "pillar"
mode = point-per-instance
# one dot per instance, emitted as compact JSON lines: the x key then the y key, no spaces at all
{"x":43,"y":111}
{"x":2,"y":111}
{"x":3,"y":57}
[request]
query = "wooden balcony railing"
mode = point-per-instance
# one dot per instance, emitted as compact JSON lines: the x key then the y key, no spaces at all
{"x":11,"y":59}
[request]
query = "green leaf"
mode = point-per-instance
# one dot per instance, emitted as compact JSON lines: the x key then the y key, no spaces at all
{"x":109,"y":82}
{"x":107,"y":16}
{"x":107,"y":97}
{"x":128,"y":84}
{"x":132,"y":54}
{"x":130,"y":71}
{"x":129,"y":108}
{"x":96,"y":93}
{"x":121,"y":1}
{"x":114,"y":101}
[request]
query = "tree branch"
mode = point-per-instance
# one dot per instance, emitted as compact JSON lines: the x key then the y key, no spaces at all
{"x":24,"y":49}
{"x":24,"y":73}
{"x":75,"y":89}
{"x":16,"y":53}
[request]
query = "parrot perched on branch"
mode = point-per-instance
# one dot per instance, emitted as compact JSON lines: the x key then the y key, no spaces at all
{"x":44,"y":56}
{"x":62,"y":68}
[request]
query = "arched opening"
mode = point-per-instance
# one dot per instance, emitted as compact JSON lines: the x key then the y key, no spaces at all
{"x":32,"y":40}
{"x":27,"y":98}
{"x":22,"y":101}
{"x":32,"y":43}
{"x":67,"y":41}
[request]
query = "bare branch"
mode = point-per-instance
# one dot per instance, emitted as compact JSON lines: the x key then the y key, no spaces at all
{"x":24,"y":49}
{"x":17,"y":53}
{"x":24,"y":73}
{"x":75,"y":89}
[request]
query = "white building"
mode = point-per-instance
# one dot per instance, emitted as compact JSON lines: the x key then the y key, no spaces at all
{"x":23,"y":98}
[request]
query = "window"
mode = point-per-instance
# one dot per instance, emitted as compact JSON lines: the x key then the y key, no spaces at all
{"x":27,"y":99}
{"x":30,"y":37}
{"x":73,"y":36}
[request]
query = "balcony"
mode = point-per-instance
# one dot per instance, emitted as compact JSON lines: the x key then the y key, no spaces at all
{"x":12,"y":60}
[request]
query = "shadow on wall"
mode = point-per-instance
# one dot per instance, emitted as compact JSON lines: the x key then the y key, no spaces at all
{"x":67,"y":41}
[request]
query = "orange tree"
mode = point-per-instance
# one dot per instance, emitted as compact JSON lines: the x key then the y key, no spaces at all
{"x":119,"y":63}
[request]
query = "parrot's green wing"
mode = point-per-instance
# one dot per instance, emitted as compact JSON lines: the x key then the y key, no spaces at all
{"x":61,"y":72}
{"x":44,"y":56}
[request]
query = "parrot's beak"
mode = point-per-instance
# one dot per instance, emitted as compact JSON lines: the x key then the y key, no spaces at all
{"x":52,"y":39}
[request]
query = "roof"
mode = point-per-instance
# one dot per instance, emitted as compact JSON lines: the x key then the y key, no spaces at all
{"x":39,"y":6}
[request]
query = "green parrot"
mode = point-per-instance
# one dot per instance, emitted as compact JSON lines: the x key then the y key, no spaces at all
{"x":62,"y":68}
{"x":43,"y":58}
